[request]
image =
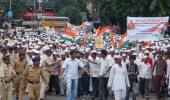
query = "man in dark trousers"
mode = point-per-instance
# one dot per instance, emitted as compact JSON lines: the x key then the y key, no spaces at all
{"x":160,"y":69}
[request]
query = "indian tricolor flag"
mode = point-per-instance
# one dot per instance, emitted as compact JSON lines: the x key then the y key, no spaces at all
{"x":87,"y":38}
{"x":68,"y":35}
{"x":101,"y":30}
{"x":112,"y":38}
{"x":123,"y":41}
{"x":69,"y":32}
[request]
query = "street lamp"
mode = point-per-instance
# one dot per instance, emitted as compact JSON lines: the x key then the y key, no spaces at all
{"x":1,"y":10}
{"x":35,"y":10}
{"x":10,"y":2}
{"x":34,"y":15}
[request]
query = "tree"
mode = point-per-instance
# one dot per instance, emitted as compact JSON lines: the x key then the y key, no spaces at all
{"x":116,"y":11}
{"x":106,"y":14}
{"x":17,"y":6}
{"x":159,"y":7}
{"x":73,"y":13}
{"x":71,"y":9}
{"x":136,"y":8}
{"x":79,"y":4}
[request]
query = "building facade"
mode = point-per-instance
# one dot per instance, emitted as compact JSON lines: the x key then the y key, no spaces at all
{"x":36,"y":9}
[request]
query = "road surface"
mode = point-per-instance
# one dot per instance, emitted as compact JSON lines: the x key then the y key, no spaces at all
{"x":54,"y":97}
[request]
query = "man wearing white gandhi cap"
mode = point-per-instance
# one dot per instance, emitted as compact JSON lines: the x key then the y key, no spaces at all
{"x":118,"y":79}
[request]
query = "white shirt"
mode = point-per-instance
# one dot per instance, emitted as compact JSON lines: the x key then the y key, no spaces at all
{"x":140,"y":55}
{"x":137,"y":61}
{"x":61,"y":63}
{"x":68,"y":58}
{"x":71,"y":68}
{"x":168,"y":67}
{"x":45,"y":60}
{"x":118,"y":79}
{"x":1,"y":58}
{"x":104,"y":67}
{"x":145,"y":70}
{"x":168,"y":71}
{"x":29,"y":61}
{"x":126,"y":61}
{"x":94,"y":68}
{"x":112,"y":60}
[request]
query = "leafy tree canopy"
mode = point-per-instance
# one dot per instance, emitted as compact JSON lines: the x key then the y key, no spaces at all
{"x":73,"y":13}
{"x":17,"y":6}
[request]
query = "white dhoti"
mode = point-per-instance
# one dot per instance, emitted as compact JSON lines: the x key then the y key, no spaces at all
{"x":120,"y":94}
{"x":43,"y":85}
{"x":62,"y":85}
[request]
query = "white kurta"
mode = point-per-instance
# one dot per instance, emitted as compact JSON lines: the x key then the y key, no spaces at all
{"x":168,"y":72}
{"x":105,"y":66}
{"x":145,"y":70}
{"x":118,"y":79}
{"x":94,"y":68}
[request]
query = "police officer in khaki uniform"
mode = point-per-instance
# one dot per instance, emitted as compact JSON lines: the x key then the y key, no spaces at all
{"x":4,"y":51}
{"x":19,"y":67}
{"x":47,"y":63}
{"x":7,"y":75}
{"x":32,"y":75}
{"x":2,"y":83}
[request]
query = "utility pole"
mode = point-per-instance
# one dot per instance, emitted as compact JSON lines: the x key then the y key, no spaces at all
{"x":10,"y":10}
{"x":1,"y":9}
{"x":39,"y":15}
{"x":34,"y":14}
{"x":10,"y":3}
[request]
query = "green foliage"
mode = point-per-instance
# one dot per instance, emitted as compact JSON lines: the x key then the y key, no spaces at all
{"x":73,"y":13}
{"x":17,"y":6}
{"x":110,"y":11}
{"x":116,"y":11}
{"x":79,"y":4}
{"x":138,"y":8}
{"x":71,"y":9}
{"x":106,"y":12}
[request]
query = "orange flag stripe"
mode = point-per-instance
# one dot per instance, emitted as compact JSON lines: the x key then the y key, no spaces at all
{"x":69,"y":32}
{"x":122,"y":39}
{"x":86,"y":36}
{"x":102,"y":30}
{"x":112,"y":40}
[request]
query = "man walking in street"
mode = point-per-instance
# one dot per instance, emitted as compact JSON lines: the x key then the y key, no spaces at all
{"x":94,"y":63}
{"x":70,"y":66}
{"x":133,"y":71}
{"x":19,"y":67}
{"x":7,"y":75}
{"x":32,"y":75}
{"x":105,"y":67}
{"x":160,"y":69}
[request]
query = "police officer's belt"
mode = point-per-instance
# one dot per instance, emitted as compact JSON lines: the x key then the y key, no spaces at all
{"x":47,"y":71}
{"x":19,"y":73}
{"x":33,"y":82}
{"x":8,"y":81}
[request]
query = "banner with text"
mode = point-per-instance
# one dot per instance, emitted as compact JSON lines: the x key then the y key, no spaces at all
{"x":146,"y":28}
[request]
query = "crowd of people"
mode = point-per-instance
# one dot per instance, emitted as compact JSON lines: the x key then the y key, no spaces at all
{"x":40,"y":65}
